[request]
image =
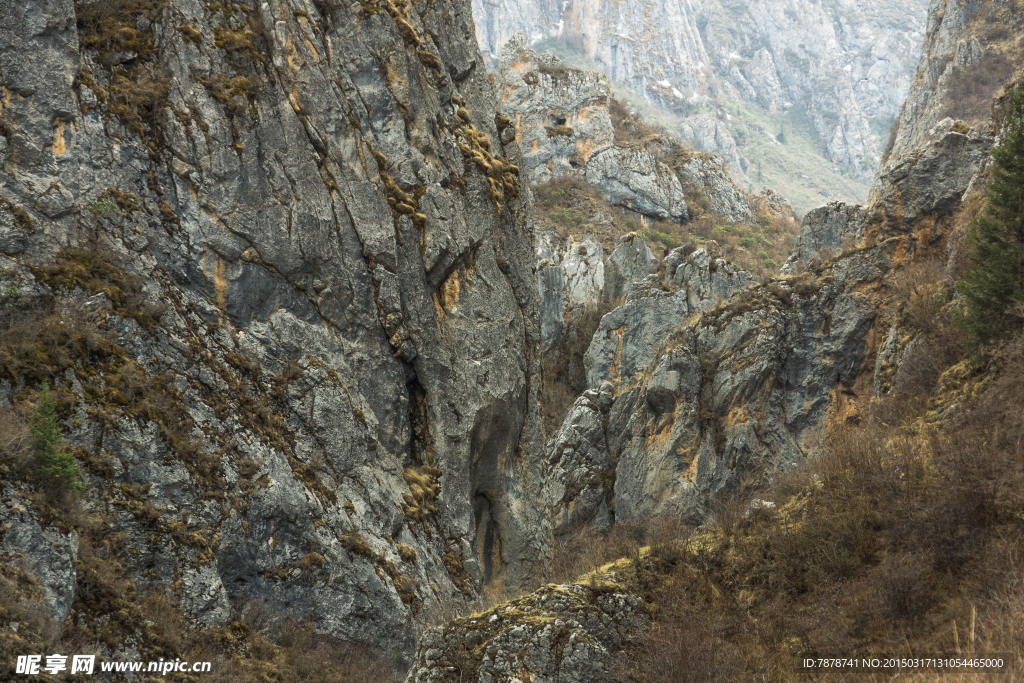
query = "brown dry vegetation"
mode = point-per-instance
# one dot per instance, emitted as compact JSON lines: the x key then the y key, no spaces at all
{"x":567,"y":207}
{"x":1000,"y":28}
{"x":906,"y":536}
{"x":630,"y":130}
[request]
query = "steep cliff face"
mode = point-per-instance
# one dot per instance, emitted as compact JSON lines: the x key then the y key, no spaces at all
{"x":725,"y":399}
{"x":832,"y":69}
{"x":292,"y":258}
{"x":970,"y":50}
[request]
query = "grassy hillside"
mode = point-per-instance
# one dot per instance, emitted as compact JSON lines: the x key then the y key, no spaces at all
{"x":906,"y":537}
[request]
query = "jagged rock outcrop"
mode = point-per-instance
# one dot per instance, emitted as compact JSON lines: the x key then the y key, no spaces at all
{"x":556,"y":634}
{"x":294,"y":256}
{"x":823,"y":230}
{"x":918,"y":192}
{"x":706,"y":172}
{"x":720,"y":401}
{"x":630,"y":261}
{"x":748,"y":389}
{"x":629,"y":337}
{"x":561,"y":120}
{"x":634,"y":179}
{"x":912,"y":198}
{"x":579,"y":275}
{"x":560,"y":114}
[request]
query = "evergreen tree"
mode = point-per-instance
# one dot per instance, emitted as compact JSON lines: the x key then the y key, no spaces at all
{"x":993,"y":287}
{"x":55,"y":464}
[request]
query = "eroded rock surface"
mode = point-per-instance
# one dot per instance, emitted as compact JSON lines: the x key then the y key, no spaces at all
{"x":556,"y":634}
{"x":629,"y":336}
{"x":561,"y":120}
{"x":328,"y":212}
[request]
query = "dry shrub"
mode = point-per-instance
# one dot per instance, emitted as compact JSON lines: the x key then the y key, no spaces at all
{"x":586,"y":551}
{"x":138,"y":96}
{"x":15,"y":437}
{"x":96,"y":273}
{"x":630,"y":130}
{"x":879,"y":546}
{"x":260,"y":644}
{"x":970,"y":89}
{"x":690,"y":650}
{"x":111,"y":27}
{"x":921,"y":288}
{"x":556,"y":72}
{"x":21,"y":603}
{"x":234,"y":94}
{"x":38,"y":340}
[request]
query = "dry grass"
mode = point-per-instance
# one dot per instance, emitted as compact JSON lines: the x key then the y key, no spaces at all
{"x":630,"y":130}
{"x":896,"y":540}
{"x":111,"y":27}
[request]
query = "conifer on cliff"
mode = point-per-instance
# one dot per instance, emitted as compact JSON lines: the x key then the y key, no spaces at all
{"x":993,"y":287}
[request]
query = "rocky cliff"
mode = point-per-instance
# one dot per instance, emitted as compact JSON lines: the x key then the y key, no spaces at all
{"x":705,"y":383}
{"x":561,"y":119}
{"x":275,"y":262}
{"x":720,"y":395}
{"x":970,"y":50}
{"x":736,"y":75}
{"x":719,"y":384}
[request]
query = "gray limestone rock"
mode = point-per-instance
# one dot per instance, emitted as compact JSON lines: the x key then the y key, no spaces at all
{"x":556,"y":634}
{"x":631,"y":260}
{"x":824,"y":230}
{"x":563,"y":125}
{"x":634,"y":179}
{"x":345,"y":359}
{"x":707,"y":173}
{"x":926,"y":184}
{"x":560,"y":114}
{"x":47,"y":553}
{"x":948,"y":46}
{"x":629,"y":337}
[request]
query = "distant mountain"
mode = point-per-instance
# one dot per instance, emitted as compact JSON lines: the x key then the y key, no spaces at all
{"x":794,"y":94}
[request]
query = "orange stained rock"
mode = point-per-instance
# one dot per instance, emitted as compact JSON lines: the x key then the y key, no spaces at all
{"x":737,"y":416}
{"x":316,"y":55}
{"x":219,"y":276}
{"x":58,"y":140}
{"x":658,"y":438}
{"x":585,"y":147}
{"x":439,"y":309}
{"x":450,"y":292}
{"x":292,"y":56}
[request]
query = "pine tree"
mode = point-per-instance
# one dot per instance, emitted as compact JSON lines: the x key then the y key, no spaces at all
{"x":56,"y":465}
{"x":993,"y":287}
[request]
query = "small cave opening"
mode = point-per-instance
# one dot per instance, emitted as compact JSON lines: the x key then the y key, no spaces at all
{"x":560,"y":122}
{"x":488,"y":540}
